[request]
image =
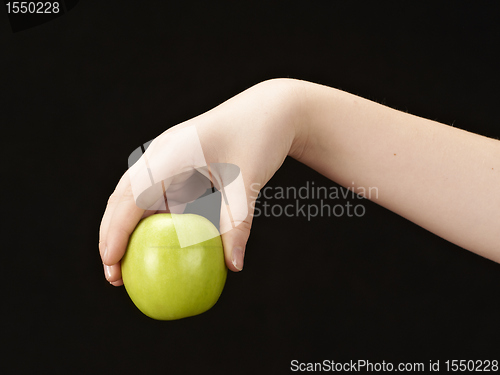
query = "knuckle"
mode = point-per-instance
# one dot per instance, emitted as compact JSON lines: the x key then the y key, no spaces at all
{"x":244,"y":226}
{"x":113,"y":198}
{"x":128,"y":194}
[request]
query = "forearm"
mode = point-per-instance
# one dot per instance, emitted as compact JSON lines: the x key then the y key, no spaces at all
{"x":444,"y":179}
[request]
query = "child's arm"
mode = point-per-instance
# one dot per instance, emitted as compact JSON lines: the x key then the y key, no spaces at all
{"x":442,"y":178}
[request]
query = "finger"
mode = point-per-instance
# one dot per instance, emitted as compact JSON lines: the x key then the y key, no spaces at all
{"x":108,"y":213}
{"x":113,"y":272}
{"x":125,"y":217}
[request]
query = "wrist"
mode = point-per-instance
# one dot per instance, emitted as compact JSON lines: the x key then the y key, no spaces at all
{"x":292,"y":111}
{"x":295,"y":114}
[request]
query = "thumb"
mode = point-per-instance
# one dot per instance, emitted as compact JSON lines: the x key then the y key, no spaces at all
{"x":234,"y":242}
{"x":236,"y":214}
{"x":236,"y":222}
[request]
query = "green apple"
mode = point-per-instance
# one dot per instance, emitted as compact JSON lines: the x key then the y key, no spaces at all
{"x":167,"y":281}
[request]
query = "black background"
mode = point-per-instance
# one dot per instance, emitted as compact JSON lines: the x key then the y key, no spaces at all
{"x":81,"y":92}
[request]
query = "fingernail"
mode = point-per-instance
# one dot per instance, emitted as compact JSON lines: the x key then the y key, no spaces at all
{"x":237,"y":255}
{"x":107,"y":271}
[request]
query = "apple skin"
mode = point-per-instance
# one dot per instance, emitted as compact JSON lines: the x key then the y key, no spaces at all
{"x":167,"y":282}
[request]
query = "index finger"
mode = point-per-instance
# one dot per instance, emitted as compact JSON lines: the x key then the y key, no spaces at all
{"x":119,"y":221}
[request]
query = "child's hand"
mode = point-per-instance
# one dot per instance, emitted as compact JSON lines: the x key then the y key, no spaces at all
{"x":254,"y":131}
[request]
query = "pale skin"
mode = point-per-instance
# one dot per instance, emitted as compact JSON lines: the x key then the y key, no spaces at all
{"x":442,"y":178}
